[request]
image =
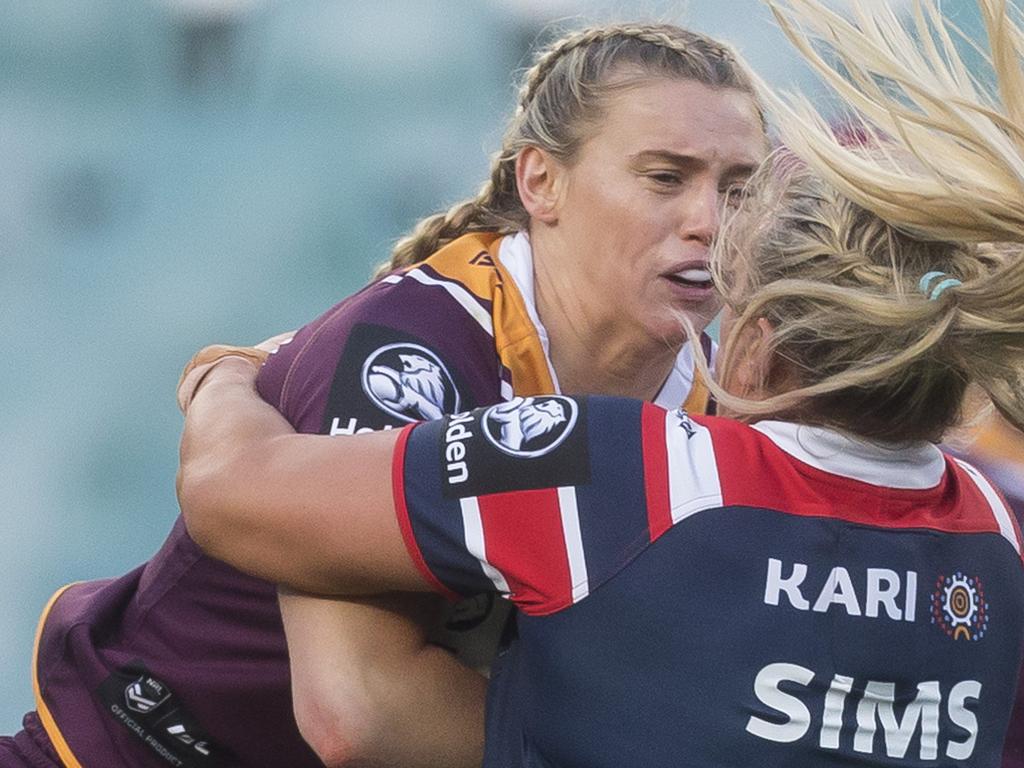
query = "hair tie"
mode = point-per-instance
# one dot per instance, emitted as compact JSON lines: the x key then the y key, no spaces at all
{"x":926,"y":281}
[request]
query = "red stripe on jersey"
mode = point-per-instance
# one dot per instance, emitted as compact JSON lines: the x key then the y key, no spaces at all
{"x":1007,"y":510}
{"x":524,"y":540}
{"x":754,"y":472}
{"x":659,"y":510}
{"x":402,"y":513}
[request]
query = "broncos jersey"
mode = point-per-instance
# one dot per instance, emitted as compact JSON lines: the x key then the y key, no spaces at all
{"x":696,"y":591}
{"x":182,"y":662}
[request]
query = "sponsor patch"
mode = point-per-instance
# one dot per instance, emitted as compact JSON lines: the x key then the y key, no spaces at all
{"x":410,"y":382}
{"x":532,"y":442}
{"x":385,"y":379}
{"x":529,"y":427}
{"x":148,"y":708}
{"x":959,"y":607}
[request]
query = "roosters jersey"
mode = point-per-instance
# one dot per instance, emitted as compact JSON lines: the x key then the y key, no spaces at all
{"x":182,"y":662}
{"x":695,"y":591}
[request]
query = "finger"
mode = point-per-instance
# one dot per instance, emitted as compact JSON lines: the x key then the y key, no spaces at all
{"x":204,"y":360}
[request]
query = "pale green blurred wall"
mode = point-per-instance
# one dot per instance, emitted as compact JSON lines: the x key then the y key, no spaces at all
{"x":171,"y":179}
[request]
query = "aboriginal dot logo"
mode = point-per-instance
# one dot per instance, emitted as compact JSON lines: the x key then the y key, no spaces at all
{"x":409,"y":382}
{"x":528,"y":427}
{"x":959,"y":607}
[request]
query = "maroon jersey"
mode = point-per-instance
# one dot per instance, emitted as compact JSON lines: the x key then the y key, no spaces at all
{"x":183,"y":661}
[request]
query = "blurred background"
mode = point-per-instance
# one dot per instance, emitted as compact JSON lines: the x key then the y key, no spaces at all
{"x":178,"y":172}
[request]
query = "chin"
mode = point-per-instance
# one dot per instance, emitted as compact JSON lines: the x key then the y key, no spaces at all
{"x":671,"y":332}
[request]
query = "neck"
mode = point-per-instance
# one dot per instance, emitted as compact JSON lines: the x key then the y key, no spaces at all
{"x":592,"y":351}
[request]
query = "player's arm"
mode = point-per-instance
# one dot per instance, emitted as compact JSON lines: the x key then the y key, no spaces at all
{"x":310,"y":511}
{"x":369,"y":690}
{"x":318,"y":513}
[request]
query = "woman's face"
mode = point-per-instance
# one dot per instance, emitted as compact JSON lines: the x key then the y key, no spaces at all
{"x":641,"y":203}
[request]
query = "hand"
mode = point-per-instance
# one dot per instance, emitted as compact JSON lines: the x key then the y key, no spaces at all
{"x":205,"y":359}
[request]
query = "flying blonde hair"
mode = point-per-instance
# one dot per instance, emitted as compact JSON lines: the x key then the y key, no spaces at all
{"x":832,"y":250}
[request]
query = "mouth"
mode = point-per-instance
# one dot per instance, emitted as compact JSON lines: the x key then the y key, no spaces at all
{"x":692,"y":277}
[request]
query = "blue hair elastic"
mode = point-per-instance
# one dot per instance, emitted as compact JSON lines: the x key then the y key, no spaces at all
{"x":925,"y":284}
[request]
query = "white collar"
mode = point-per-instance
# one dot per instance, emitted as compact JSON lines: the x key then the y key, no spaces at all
{"x":516,"y":256}
{"x":916,"y":465}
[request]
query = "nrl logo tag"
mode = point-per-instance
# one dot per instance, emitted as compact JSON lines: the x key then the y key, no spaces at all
{"x":409,"y":382}
{"x":145,"y":694}
{"x":528,"y":427}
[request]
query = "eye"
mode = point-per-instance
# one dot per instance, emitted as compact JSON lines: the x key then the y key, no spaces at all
{"x":666,"y":178}
{"x":735,"y":193}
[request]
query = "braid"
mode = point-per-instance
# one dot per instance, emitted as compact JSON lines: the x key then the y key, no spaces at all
{"x":560,"y":94}
{"x":693,"y":47}
{"x":494,"y":209}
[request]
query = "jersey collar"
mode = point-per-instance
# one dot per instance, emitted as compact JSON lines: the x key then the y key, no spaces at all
{"x":913,"y":465}
{"x":516,"y":256}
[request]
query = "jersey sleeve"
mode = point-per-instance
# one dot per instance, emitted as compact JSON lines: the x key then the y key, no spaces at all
{"x":388,"y":356}
{"x":541,"y":499}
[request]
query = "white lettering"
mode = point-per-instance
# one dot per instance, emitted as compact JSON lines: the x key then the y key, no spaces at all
{"x":351,"y":428}
{"x":454,"y":450}
{"x":963,"y":717}
{"x":924,"y":709}
{"x":881,"y":591}
{"x":883,"y":588}
{"x":832,"y":716}
{"x":766,"y":688}
{"x":838,"y":590}
{"x":775,"y":584}
{"x":458,"y":472}
{"x":921,"y":717}
{"x":910,"y":609}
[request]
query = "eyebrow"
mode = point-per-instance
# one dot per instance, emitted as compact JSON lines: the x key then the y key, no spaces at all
{"x":688,"y":161}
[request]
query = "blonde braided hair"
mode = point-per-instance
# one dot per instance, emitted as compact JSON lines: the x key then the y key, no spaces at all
{"x":560,"y":96}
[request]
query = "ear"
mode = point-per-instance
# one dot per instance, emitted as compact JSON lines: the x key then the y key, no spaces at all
{"x":539,"y":179}
{"x":751,"y":366}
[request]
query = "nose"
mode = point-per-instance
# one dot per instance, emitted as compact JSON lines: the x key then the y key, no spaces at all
{"x":701,"y":213}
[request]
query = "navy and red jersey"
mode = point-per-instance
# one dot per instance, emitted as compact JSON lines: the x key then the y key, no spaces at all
{"x":696,"y":591}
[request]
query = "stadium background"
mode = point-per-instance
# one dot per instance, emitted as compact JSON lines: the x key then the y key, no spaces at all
{"x":177,"y":172}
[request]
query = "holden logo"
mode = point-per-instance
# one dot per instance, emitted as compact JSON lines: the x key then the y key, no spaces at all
{"x":530,"y":426}
{"x":410,"y":382}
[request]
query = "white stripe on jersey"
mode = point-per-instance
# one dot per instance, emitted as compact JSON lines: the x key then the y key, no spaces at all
{"x":693,"y":483}
{"x":999,"y":510}
{"x":507,"y":393}
{"x":474,"y":532}
{"x":460,"y":294}
{"x":573,"y":543}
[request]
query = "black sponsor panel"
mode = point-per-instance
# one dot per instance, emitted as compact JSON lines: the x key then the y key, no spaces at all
{"x":531,"y":442}
{"x":149,"y":709}
{"x":387,"y":378}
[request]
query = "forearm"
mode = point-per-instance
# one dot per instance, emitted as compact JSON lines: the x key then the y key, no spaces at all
{"x":305,"y":510}
{"x":370,"y":691}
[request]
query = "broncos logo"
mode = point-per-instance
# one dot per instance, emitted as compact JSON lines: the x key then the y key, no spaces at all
{"x":530,"y":426}
{"x":523,"y":419}
{"x":416,"y":388}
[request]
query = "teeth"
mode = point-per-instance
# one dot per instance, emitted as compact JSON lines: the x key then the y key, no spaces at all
{"x":695,"y":275}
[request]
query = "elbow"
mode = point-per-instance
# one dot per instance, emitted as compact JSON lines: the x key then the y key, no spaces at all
{"x":200,"y":507}
{"x":340,"y":724}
